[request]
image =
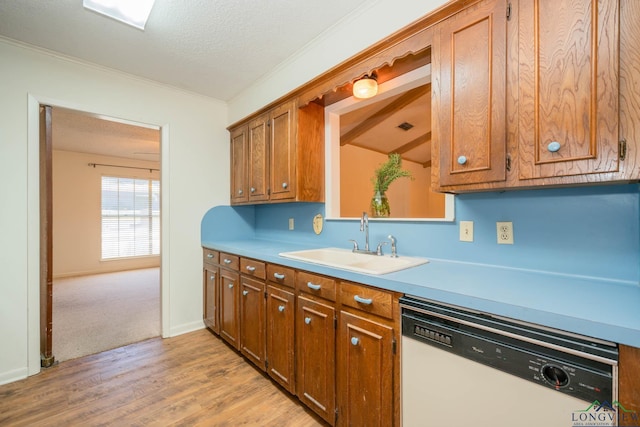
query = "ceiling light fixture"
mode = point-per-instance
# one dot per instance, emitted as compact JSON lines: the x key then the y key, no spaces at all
{"x":134,"y":13}
{"x":366,"y":87}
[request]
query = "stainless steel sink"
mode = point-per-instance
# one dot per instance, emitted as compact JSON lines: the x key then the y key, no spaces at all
{"x":345,"y":259}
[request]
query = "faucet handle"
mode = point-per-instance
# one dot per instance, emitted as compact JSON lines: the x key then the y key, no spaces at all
{"x":379,"y":248}
{"x":355,"y":244}
{"x":394,"y":248}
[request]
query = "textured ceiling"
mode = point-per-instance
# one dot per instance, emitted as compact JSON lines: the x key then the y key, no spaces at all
{"x":213,"y":47}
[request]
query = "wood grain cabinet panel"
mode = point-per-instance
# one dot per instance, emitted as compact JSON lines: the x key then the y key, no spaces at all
{"x":315,"y":357}
{"x":629,"y":385}
{"x":258,"y":159}
{"x":252,"y":320}
{"x":239,"y":153}
{"x":211,"y":298}
{"x":229,"y":307}
{"x":568,"y":87}
{"x":365,"y":372}
{"x":280,"y":336}
{"x":469,"y":96}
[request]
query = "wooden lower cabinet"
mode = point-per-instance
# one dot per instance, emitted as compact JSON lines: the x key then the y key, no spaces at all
{"x":315,"y":356}
{"x":365,"y":363}
{"x":211,"y":298}
{"x":229,"y":307}
{"x":280,"y":336}
{"x":252,"y":320}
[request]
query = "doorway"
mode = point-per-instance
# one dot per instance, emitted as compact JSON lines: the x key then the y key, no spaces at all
{"x":100,"y":232}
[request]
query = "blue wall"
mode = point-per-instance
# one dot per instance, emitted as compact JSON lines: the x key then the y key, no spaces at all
{"x":590,"y":231}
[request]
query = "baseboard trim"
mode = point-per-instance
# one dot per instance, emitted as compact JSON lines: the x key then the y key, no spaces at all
{"x":185,"y":328}
{"x":12,"y":376}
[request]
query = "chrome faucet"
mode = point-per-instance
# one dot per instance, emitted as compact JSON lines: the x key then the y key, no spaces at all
{"x":364,"y":226}
{"x":394,"y":248}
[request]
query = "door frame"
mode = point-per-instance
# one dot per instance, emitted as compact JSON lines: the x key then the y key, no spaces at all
{"x":33,"y":221}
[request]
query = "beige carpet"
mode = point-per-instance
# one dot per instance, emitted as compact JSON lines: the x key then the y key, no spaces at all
{"x":100,"y":312}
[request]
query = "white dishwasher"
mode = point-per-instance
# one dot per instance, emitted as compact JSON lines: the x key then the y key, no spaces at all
{"x":465,"y":368}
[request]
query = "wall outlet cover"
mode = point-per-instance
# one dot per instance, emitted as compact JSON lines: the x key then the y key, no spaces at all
{"x":505,"y":232}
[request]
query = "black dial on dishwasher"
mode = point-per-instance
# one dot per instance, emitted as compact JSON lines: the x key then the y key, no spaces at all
{"x":555,"y":376}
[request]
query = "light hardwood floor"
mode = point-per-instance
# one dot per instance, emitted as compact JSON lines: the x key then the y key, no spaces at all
{"x":190,"y":380}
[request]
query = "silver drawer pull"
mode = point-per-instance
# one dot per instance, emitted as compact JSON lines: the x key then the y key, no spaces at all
{"x":285,"y":185}
{"x":212,"y":277}
{"x":253,"y":190}
{"x":281,"y":308}
{"x":355,"y":341}
{"x":240,"y":191}
{"x":245,"y":293}
{"x":251,"y":268}
{"x":278,"y":276}
{"x":307,"y":320}
{"x":231,"y":285}
{"x":361,"y":300}
{"x":313,"y":286}
{"x":209,"y":255}
{"x":227,"y":261}
{"x":462,"y":160}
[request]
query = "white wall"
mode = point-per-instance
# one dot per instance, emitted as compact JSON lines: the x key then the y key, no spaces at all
{"x":77,"y":222}
{"x":195,"y":177}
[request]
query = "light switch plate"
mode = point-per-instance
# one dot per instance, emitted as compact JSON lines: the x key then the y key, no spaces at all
{"x":466,"y":231}
{"x":291,"y":224}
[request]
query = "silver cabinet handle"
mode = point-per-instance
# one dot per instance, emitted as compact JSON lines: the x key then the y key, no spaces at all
{"x":355,"y":341}
{"x":253,"y":190}
{"x":361,"y":300}
{"x":209,"y":256}
{"x":245,"y":293}
{"x":251,"y":268}
{"x":281,"y":308}
{"x":278,"y":276}
{"x":231,"y":285}
{"x":307,"y":320}
{"x":553,"y":146}
{"x":313,"y":286}
{"x":227,"y":261}
{"x":212,"y":277}
{"x":285,"y":185}
{"x":462,"y":160}
{"x":240,"y":191}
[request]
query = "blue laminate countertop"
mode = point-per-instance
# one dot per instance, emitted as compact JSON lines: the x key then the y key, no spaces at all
{"x":600,"y":308}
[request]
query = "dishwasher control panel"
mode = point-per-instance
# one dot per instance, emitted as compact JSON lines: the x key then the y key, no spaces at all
{"x":568,"y":373}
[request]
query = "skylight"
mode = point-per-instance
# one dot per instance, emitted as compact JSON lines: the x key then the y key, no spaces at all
{"x":134,"y":13}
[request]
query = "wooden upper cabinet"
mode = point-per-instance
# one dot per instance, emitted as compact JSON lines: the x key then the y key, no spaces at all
{"x":239,"y":187}
{"x":284,"y":155}
{"x":283,"y":151}
{"x":568,"y":87}
{"x":258,"y":164}
{"x":469,"y":96}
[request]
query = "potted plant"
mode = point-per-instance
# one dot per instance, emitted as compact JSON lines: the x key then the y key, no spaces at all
{"x":382,"y":178}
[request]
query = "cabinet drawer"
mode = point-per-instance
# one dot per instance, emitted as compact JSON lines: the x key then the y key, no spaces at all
{"x":209,"y":256}
{"x":374,"y":301}
{"x":313,"y":284}
{"x":229,"y":261}
{"x":279,"y":274}
{"x":251,"y":267}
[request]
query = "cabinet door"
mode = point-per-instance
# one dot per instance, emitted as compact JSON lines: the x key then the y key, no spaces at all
{"x":239,"y":153}
{"x":568,"y":81}
{"x":280,"y":338}
{"x":283,"y":151}
{"x":365,"y":372}
{"x":229,"y":325}
{"x":211,"y":298}
{"x":252,"y":320}
{"x":469,"y":95}
{"x":315,"y":357}
{"x":259,"y":159}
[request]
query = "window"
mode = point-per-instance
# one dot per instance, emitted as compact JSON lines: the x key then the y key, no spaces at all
{"x":130,"y":217}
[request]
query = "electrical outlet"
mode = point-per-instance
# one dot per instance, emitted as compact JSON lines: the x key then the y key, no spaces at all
{"x":505,"y":233}
{"x":466,"y":231}
{"x":291,"y":224}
